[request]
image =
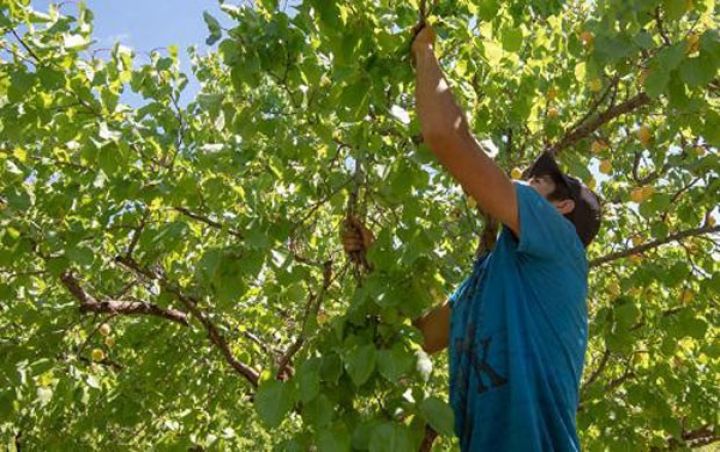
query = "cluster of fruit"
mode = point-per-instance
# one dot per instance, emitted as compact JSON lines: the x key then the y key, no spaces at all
{"x":641,"y":194}
{"x":98,"y":354}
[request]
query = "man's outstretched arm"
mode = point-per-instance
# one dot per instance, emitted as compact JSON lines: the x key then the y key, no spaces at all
{"x":445,"y":131}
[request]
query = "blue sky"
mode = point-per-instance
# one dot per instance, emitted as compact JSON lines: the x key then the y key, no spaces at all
{"x":146,"y":24}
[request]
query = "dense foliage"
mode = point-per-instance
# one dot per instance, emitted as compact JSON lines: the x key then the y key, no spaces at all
{"x":171,"y":276}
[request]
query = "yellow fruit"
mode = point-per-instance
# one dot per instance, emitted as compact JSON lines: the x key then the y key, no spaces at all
{"x":614,"y":289}
{"x":711,"y":221}
{"x":637,"y":241}
{"x":699,"y":151}
{"x":97,"y":354}
{"x":551,"y":93}
{"x":692,"y":43}
{"x":104,"y":329}
{"x":587,"y":37}
{"x":516,"y":173}
{"x":647,"y":192}
{"x":591,"y":184}
{"x":552,"y":112}
{"x":687,"y":296}
{"x":471,"y":202}
{"x":643,"y":134}
{"x":109,"y":341}
{"x":635,"y":258}
{"x":637,"y":195}
{"x":606,"y":167}
{"x":595,"y":85}
{"x":597,"y":146}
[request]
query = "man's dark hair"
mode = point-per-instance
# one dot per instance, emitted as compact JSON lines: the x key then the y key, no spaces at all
{"x":561,"y":191}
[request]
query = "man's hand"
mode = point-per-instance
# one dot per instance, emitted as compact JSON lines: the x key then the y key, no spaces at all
{"x":355,"y":236}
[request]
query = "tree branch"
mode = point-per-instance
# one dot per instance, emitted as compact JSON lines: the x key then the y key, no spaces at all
{"x":707,"y":229}
{"x":88,"y":303}
{"x":598,"y":370}
{"x":311,"y":309}
{"x":206,"y":220}
{"x":191,"y":304}
{"x":583,"y":130}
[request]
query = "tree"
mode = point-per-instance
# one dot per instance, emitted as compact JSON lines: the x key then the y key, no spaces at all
{"x":206,"y":236}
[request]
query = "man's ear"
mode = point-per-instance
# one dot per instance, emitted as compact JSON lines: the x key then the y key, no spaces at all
{"x":565,"y":206}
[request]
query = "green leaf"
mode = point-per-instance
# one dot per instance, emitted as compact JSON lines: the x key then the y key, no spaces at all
{"x":390,"y":437}
{"x":656,"y":82}
{"x":336,"y":439}
{"x":80,"y":255}
{"x":110,"y":158}
{"x":711,"y":130}
{"x":395,"y":362}
{"x":669,"y":58}
{"x":644,"y":40}
{"x":360,"y":363}
{"x":308,"y":378}
{"x":487,"y":9}
{"x":355,"y":98}
{"x":331,"y":368}
{"x":512,"y":39}
{"x":273,"y":401}
{"x":75,"y":42}
{"x":674,"y":9}
{"x":611,"y":48}
{"x":318,"y":412}
{"x":698,"y":71}
{"x":214,"y":27}
{"x":439,"y":415}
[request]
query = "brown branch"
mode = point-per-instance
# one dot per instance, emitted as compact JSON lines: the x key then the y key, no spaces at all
{"x":88,"y":303}
{"x":701,"y":436}
{"x":191,"y":304}
{"x":104,"y":362}
{"x":594,"y":106}
{"x":581,"y":131}
{"x":206,"y":220}
{"x":677,"y":195}
{"x":707,"y":229}
{"x":25,"y":46}
{"x":596,"y":373}
{"x":661,"y":29}
{"x":136,"y":234}
{"x":311,"y":309}
{"x":428,"y":439}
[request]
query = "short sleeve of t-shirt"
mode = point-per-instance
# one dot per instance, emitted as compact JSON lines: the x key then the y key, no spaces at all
{"x":460,"y":290}
{"x":544,"y":232}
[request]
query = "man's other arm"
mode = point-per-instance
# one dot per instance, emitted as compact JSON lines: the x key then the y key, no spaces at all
{"x":435,"y":327}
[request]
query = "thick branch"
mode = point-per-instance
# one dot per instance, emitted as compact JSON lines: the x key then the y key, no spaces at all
{"x":583,"y":130}
{"x":654,"y":244}
{"x":88,"y":303}
{"x":192,"y":305}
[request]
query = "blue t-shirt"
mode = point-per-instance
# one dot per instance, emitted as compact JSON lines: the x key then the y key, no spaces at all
{"x":518,"y":334}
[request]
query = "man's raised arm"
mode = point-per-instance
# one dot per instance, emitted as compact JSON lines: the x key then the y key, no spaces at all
{"x":445,"y":131}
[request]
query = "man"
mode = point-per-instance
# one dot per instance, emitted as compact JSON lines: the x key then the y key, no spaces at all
{"x":516,"y":327}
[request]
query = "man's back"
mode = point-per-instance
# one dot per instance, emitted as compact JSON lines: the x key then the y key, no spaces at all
{"x":518,"y":336}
